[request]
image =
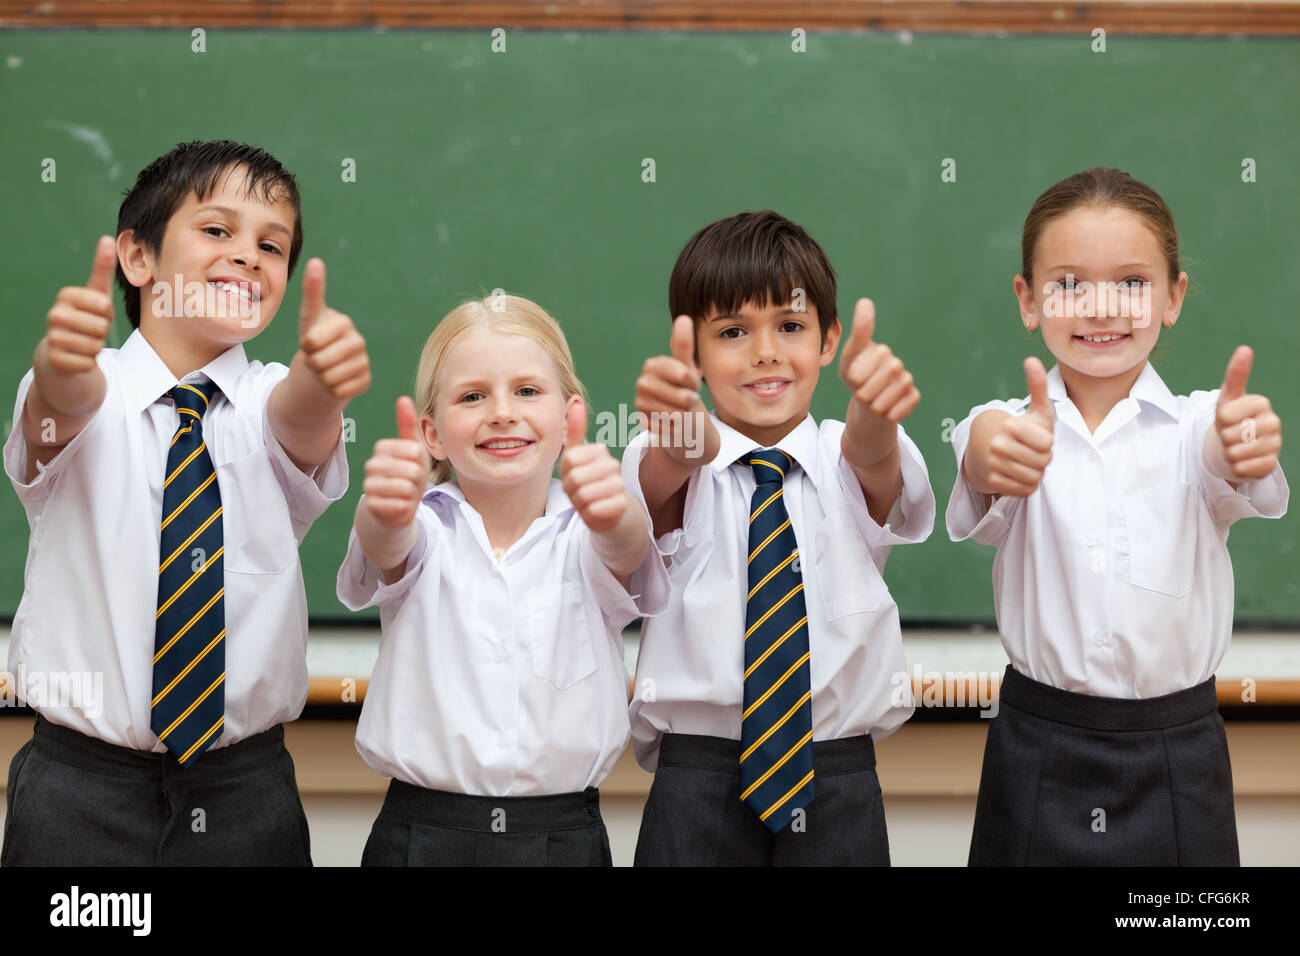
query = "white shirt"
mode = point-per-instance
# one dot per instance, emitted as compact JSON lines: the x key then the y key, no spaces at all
{"x":90,"y":589}
{"x":498,"y":676}
{"x":1113,"y":577}
{"x":690,"y":671}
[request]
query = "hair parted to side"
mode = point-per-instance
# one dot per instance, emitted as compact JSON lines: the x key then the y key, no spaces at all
{"x":507,"y":315}
{"x":751,"y":258}
{"x":1100,"y":187}
{"x":198,"y":167}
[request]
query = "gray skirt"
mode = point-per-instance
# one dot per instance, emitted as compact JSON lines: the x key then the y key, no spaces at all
{"x":1075,"y":780}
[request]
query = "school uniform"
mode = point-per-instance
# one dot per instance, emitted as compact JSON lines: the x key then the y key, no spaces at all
{"x":96,"y":785}
{"x":1114,"y":596}
{"x":692,"y":694}
{"x":498,"y":702}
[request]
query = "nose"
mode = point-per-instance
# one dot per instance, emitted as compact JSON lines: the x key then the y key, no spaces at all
{"x":245,"y":253}
{"x":765,"y":351}
{"x":501,"y":409}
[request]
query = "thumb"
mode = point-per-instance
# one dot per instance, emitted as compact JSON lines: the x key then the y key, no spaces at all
{"x":864,"y":326}
{"x":575,"y":424}
{"x":313,"y":294}
{"x":682,"y":341}
{"x":1036,"y":379}
{"x":101,"y":273}
{"x":407,"y":424}
{"x":1234,"y":380}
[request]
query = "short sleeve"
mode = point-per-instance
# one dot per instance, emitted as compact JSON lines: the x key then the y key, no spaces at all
{"x":648,"y":588}
{"x":33,"y":492}
{"x":361,"y":583}
{"x":306,"y":495}
{"x":910,"y":520}
{"x":967,"y":515}
{"x":1265,"y":497}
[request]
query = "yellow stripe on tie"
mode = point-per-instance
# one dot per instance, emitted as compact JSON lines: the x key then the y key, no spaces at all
{"x":773,"y":609}
{"x":807,"y":696}
{"x":189,"y":667}
{"x":793,"y":790}
{"x":777,"y":643}
{"x":194,"y":494}
{"x":763,"y":544}
{"x":202,"y":740}
{"x":189,"y":710}
{"x":181,"y":467}
{"x":770,"y":574}
{"x":190,"y":411}
{"x":193,"y":578}
{"x":759,"y":510}
{"x":197,"y":392}
{"x":184,"y":544}
{"x":177,"y":636}
{"x":759,"y":461}
{"x":774,"y":768}
{"x":780,"y":680}
{"x":179,"y":433}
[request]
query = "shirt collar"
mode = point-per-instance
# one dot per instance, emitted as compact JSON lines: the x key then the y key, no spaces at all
{"x":556,"y":500}
{"x":1149,"y":388}
{"x":801,"y":444}
{"x":148,"y":378}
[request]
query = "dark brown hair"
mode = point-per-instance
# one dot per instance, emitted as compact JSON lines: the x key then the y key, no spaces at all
{"x":196,"y":168}
{"x":1101,"y":187}
{"x":751,"y":258}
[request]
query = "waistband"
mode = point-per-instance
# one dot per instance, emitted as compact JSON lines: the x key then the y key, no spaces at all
{"x":1107,"y":713}
{"x":90,"y":753}
{"x":554,"y":811}
{"x":830,"y":757}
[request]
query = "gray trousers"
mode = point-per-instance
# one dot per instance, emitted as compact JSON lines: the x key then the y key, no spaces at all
{"x":74,"y":800}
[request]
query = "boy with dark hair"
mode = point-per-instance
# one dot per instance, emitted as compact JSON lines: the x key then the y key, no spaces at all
{"x":760,"y":689}
{"x":168,"y":484}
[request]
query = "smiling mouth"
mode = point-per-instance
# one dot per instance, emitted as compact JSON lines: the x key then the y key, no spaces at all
{"x":504,"y":447}
{"x":766,"y":387}
{"x":248,"y":291}
{"x":1110,"y":338}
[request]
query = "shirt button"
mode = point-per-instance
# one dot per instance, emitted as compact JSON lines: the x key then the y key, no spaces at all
{"x":1099,"y":637}
{"x":499,"y":654}
{"x":1093,"y":457}
{"x":1090,"y":540}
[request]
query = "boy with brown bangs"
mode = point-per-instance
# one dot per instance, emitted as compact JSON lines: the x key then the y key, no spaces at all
{"x":168,"y":484}
{"x":759,"y":691}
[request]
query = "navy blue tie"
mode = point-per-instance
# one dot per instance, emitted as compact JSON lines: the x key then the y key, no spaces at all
{"x":776,"y":766}
{"x":189,"y":664}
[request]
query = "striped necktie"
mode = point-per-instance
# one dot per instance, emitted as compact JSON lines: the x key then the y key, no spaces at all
{"x":776,"y":765}
{"x":189,"y":664}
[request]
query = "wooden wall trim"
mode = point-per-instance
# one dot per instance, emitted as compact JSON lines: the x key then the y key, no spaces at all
{"x":956,"y":16}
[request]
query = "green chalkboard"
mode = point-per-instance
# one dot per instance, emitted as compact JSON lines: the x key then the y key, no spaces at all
{"x":523,"y":170}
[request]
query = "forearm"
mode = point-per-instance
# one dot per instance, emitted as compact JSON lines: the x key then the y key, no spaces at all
{"x":975,"y":463}
{"x":870,"y":446}
{"x":69,"y":399}
{"x":385,"y":547}
{"x":663,"y":476}
{"x":305,"y":418}
{"x":623,"y":547}
{"x":1215,"y":463}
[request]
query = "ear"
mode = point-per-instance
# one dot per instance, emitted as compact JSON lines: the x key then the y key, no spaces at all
{"x":136,"y":261}
{"x":1025,"y":297}
{"x":429,"y":435}
{"x":1177,"y":294}
{"x":830,"y":343}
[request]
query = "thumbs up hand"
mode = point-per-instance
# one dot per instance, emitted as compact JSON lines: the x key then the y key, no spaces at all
{"x":330,"y":344}
{"x":590,"y":475}
{"x":1246,"y":437}
{"x":1022,"y":446}
{"x":669,"y":390}
{"x":880,"y":383}
{"x":78,"y":323}
{"x":397,"y":472}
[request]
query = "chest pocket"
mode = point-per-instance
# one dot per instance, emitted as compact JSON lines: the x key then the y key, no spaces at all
{"x":846,"y":576}
{"x":1162,"y":536}
{"x":255,"y":525}
{"x":560,"y":638}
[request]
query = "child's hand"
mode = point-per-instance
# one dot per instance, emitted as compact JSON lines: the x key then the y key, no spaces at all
{"x":876,"y":376}
{"x":79,"y":322}
{"x":590,"y":475}
{"x":669,"y":389}
{"x":333,"y":348}
{"x":1022,"y":447}
{"x":1249,"y":432}
{"x":397,"y":472}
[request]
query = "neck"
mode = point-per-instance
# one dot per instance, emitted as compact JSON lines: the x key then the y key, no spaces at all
{"x":507,"y":510}
{"x":1095,"y":397}
{"x":181,"y":355}
{"x":764,"y":435}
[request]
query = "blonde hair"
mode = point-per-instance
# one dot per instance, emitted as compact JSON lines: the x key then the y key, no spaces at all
{"x":505,"y":314}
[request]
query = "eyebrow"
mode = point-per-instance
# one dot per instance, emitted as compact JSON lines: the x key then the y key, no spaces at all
{"x":528,"y":378}
{"x":1126,"y":265}
{"x":739,"y":315}
{"x":233,"y":214}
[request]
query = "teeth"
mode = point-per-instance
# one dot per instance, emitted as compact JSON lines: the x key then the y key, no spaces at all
{"x":1101,"y":338}
{"x":247,"y":293}
{"x":506,"y":444}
